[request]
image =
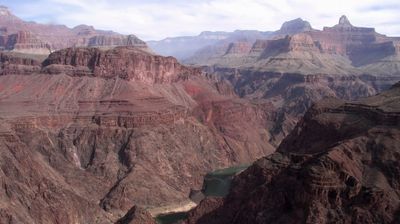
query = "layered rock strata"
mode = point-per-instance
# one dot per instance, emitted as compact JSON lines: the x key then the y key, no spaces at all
{"x":34,"y":38}
{"x":339,"y":165}
{"x":132,"y":129}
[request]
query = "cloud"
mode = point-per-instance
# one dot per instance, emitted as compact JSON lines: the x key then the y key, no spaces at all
{"x":157,"y":19}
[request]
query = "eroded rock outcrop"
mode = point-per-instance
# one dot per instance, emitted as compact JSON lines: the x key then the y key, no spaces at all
{"x":339,"y":38}
{"x":293,"y":71}
{"x":297,"y":48}
{"x":115,"y":40}
{"x":339,"y":165}
{"x":291,"y":94}
{"x":106,"y":130}
{"x":23,"y":41}
{"x":35,"y":38}
{"x":14,"y":63}
{"x":294,"y":26}
{"x":128,"y":63}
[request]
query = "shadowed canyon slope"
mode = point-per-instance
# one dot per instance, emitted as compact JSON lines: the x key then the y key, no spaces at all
{"x":90,"y":133}
{"x":34,"y":38}
{"x":339,"y":165}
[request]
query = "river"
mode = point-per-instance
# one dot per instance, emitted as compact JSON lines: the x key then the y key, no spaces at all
{"x":216,"y":183}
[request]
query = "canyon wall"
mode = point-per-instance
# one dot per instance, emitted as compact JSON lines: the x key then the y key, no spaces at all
{"x":340,"y":164}
{"x":88,"y":134}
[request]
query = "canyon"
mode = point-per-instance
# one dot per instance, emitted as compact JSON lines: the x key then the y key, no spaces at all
{"x":95,"y":127}
{"x":76,"y":130}
{"x":340,"y":164}
{"x":311,"y":178}
{"x":295,"y":71}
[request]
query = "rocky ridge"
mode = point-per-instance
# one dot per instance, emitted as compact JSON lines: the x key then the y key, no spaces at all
{"x":294,"y":26}
{"x":340,"y":164}
{"x":34,"y":38}
{"x":83,"y":143}
{"x":128,"y":63}
{"x":205,"y":47}
{"x":294,"y":71}
{"x":354,"y":49}
{"x":241,"y":42}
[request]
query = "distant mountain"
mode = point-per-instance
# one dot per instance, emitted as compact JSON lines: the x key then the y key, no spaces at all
{"x":239,"y":42}
{"x":294,"y":71}
{"x":208,"y":45}
{"x":342,"y":48}
{"x":294,"y":26}
{"x":297,"y":65}
{"x":232,"y":50}
{"x":30,"y":37}
{"x":185,"y":47}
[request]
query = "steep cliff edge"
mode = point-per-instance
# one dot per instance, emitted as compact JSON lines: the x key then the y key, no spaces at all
{"x":94,"y":132}
{"x":343,"y":47}
{"x":19,"y":64}
{"x":294,"y":71}
{"x":340,"y":164}
{"x":128,"y":63}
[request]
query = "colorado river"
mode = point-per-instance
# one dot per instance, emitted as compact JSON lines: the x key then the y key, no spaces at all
{"x":216,"y":183}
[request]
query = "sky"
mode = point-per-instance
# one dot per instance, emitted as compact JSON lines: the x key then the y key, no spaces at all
{"x":158,"y":19}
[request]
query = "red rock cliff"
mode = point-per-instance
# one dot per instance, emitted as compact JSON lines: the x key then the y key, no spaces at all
{"x":124,"y":62}
{"x":340,"y":165}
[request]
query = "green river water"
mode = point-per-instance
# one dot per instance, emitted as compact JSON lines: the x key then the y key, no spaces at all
{"x":216,"y":183}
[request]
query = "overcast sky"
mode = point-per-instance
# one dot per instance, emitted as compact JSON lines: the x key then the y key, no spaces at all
{"x":157,"y":19}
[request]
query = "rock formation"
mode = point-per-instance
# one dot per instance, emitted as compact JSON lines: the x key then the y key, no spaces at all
{"x":339,"y":165}
{"x":115,"y":40}
{"x":23,"y":41}
{"x":29,"y":37}
{"x":355,"y":49}
{"x":341,"y":37}
{"x":293,"y":71}
{"x":294,"y":26}
{"x":184,"y":47}
{"x":19,"y":64}
{"x":344,"y":22}
{"x":238,"y":42}
{"x":90,"y":133}
{"x":125,"y":63}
